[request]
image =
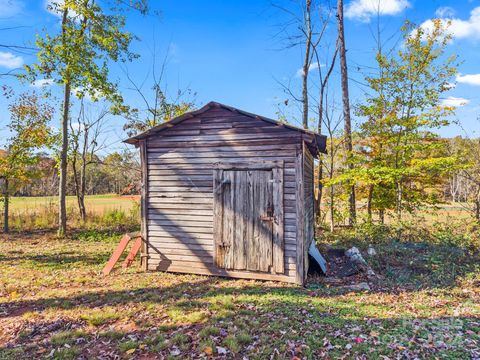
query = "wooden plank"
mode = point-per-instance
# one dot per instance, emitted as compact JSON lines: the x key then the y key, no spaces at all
{"x":118,"y":252}
{"x":179,"y":230}
{"x":174,"y":210}
{"x":278,"y":238}
{"x":207,"y":163}
{"x":196,"y":266}
{"x":221,"y":143}
{"x":254,"y":165}
{"x":218,"y":217}
{"x":133,"y":252}
{"x":309,"y":222}
{"x":228,"y":217}
{"x":174,"y":217}
{"x":299,"y":193}
{"x":266,"y":220}
{"x":220,"y":155}
{"x":232,"y":137}
{"x":144,"y":203}
{"x":238,"y":245}
{"x":198,"y":149}
{"x":184,"y":224}
{"x":181,"y":237}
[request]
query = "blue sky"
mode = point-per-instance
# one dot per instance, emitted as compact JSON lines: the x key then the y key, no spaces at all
{"x":230,"y":51}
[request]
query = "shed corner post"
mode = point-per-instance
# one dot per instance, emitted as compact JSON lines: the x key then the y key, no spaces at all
{"x":300,"y":210}
{"x":144,"y":204}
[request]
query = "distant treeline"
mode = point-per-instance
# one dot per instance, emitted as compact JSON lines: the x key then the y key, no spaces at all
{"x":117,"y":173}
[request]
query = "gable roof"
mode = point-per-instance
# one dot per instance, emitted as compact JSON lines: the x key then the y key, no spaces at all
{"x":315,"y":141}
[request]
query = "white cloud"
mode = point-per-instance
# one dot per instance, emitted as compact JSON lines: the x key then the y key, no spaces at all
{"x":470,"y":79}
{"x":363,"y":10}
{"x":445,"y":12}
{"x":313,"y":66}
{"x":10,"y":8}
{"x":460,"y":29}
{"x":455,"y":101}
{"x":10,"y":61}
{"x":42,"y":83}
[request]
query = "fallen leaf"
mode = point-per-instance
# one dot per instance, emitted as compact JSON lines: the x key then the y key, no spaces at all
{"x":208,"y":350}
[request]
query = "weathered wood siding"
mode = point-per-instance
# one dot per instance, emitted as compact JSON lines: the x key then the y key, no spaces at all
{"x":180,"y":187}
{"x":308,"y":187}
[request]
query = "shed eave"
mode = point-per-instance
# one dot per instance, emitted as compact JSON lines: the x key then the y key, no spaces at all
{"x":317,"y":142}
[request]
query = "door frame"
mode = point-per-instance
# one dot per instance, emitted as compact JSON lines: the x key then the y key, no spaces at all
{"x":276,"y":166}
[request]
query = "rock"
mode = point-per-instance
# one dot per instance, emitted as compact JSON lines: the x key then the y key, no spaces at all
{"x":371,"y":251}
{"x":221,"y":350}
{"x":355,"y":255}
{"x":363,"y":286}
{"x":175,"y":351}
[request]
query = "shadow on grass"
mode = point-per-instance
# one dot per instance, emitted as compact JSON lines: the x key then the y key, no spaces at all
{"x":56,"y":260}
{"x":283,"y":320}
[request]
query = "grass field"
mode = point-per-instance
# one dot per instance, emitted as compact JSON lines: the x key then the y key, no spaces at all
{"x":94,"y":203}
{"x":34,"y":213}
{"x":54,"y":304}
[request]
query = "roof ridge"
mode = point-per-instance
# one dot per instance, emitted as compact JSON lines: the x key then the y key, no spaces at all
{"x":320,"y":140}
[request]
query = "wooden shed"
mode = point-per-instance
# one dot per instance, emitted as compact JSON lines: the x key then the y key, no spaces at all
{"x":230,"y":193}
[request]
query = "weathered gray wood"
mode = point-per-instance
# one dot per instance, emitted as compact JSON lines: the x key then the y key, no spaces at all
{"x":144,"y":203}
{"x":299,"y":193}
{"x":199,"y":148}
{"x":182,"y":218}
{"x":241,"y":218}
{"x":211,"y":270}
{"x":266,"y":223}
{"x":278,"y":238}
{"x":254,"y":165}
{"x":229,"y":217}
{"x":209,"y":162}
{"x":218,"y":218}
{"x":309,"y":221}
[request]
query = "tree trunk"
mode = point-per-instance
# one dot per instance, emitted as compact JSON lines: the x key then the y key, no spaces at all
{"x":369,"y":202}
{"x":306,"y":62}
{"x":332,"y":187}
{"x":477,"y":208}
{"x":62,"y":211}
{"x":381,"y":216}
{"x":346,"y":107}
{"x":332,"y":209}
{"x":81,"y":197}
{"x":6,"y":203}
{"x":399,"y":201}
{"x":62,"y":189}
{"x":320,"y":160}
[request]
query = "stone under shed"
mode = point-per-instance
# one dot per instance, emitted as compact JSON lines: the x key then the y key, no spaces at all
{"x":229,"y":193}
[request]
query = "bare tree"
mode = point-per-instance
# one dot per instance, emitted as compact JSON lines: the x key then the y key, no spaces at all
{"x":307,"y":30}
{"x":158,"y":107}
{"x":85,"y":144}
{"x":346,"y":107}
{"x":332,"y":124}
{"x":323,"y":82}
{"x":300,"y":30}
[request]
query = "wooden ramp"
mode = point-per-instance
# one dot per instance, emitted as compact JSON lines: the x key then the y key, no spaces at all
{"x":120,"y":249}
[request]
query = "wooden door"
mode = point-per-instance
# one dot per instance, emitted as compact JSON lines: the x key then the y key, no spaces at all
{"x":247,"y":218}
